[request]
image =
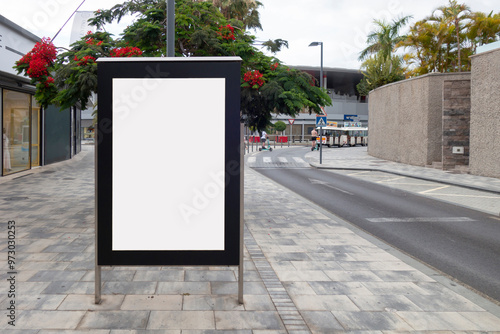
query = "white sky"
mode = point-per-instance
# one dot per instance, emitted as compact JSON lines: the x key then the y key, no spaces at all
{"x":341,"y":25}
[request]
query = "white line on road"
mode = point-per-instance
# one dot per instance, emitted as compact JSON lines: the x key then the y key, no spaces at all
{"x":457,"y":195}
{"x":314,"y":181}
{"x":420,"y":219}
{"x":393,"y":179}
{"x":283,"y":159}
{"x":433,"y":189}
{"x":267,"y":159}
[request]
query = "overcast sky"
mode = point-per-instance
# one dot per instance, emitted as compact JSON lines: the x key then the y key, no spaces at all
{"x":342,"y":25}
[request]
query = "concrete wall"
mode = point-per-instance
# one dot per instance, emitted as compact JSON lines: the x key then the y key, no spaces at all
{"x":485,"y":114}
{"x":405,"y":119}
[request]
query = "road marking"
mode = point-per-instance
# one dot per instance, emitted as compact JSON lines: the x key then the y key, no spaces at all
{"x":433,"y":189}
{"x":252,"y":160}
{"x":267,"y":159}
{"x":457,"y":195}
{"x":323,"y":183}
{"x":393,"y":179}
{"x":420,"y":219}
{"x":358,"y":173}
{"x":282,"y":159}
{"x":301,"y":162}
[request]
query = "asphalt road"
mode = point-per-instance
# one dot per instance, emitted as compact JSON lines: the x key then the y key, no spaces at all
{"x":462,"y":243}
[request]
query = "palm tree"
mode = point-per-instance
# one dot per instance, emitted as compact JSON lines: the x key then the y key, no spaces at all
{"x":245,"y":11}
{"x":452,"y":16}
{"x":384,"y":38}
{"x":483,"y":29}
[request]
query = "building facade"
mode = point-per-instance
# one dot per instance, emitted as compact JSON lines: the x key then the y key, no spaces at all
{"x":31,"y":136}
{"x":347,"y":105}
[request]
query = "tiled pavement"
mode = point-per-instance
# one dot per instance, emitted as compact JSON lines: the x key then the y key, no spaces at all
{"x":306,"y":271}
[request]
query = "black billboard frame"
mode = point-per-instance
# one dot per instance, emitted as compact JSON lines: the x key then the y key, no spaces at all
{"x":227,"y":68}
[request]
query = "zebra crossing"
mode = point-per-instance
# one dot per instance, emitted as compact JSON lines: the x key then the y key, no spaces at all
{"x":260,"y":161}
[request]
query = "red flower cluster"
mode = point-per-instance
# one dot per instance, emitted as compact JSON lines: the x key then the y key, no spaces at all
{"x":125,"y":52}
{"x":226,"y":32}
{"x":254,"y":78}
{"x":39,"y":59}
{"x":274,"y":66}
{"x":90,"y":40}
{"x":50,"y":80}
{"x":84,"y":61}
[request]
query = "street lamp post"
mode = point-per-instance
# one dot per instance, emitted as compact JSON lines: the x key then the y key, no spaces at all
{"x":321,"y":67}
{"x":320,"y":86}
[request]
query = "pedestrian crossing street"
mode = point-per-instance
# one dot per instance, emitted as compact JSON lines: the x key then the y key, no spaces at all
{"x":276,"y":162}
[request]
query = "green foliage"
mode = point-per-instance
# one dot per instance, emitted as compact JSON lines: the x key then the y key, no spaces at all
{"x":444,"y":41}
{"x":379,"y":72}
{"x":279,"y":126}
{"x":201,"y":30}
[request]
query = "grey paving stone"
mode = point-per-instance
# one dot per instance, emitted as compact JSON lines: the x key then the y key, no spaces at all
{"x":247,"y":320}
{"x":115,"y":320}
{"x":171,"y":275}
{"x":69,"y":287}
{"x":132,"y":288}
{"x":36,"y":319}
{"x":76,"y":331}
{"x":209,"y":276}
{"x":212,"y":303}
{"x":381,"y":303}
{"x":249,"y":288}
{"x":39,"y":302}
{"x":436,"y":321}
{"x":181,"y":320}
{"x":183,"y":288}
{"x":146,"y":331}
{"x":152,"y":302}
{"x":57,"y":275}
{"x":210,"y":331}
{"x":74,"y":302}
{"x":443,"y":303}
{"x":339,"y":288}
{"x":324,"y":303}
{"x":383,"y":321}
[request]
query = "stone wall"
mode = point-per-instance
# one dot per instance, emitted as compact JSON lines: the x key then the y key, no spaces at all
{"x":485,"y":114}
{"x":456,"y":121}
{"x":405,"y":119}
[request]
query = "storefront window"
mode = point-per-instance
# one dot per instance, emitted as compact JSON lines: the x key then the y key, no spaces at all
{"x":35,"y":135}
{"x":16,"y":131}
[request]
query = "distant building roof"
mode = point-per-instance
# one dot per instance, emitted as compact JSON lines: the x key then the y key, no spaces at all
{"x":342,"y":80}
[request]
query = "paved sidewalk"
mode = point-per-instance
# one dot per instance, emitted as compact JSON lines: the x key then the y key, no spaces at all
{"x":358,"y":158}
{"x":306,"y":271}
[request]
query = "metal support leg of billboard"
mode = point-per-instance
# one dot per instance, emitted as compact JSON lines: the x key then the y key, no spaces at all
{"x":97,"y":299}
{"x":242,"y":215}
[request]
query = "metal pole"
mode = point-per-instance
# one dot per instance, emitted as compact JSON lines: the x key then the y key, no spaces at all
{"x":321,"y":68}
{"x":170,"y":28}
{"x":241,"y":222}
{"x":320,"y":145}
{"x":97,"y":286}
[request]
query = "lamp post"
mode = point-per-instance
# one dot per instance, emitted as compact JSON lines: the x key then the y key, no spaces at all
{"x":321,"y":68}
{"x":320,"y":86}
{"x":170,"y":28}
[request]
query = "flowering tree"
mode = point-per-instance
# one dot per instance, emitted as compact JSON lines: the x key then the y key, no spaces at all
{"x":75,"y":71}
{"x":37,"y":64}
{"x":201,"y":30}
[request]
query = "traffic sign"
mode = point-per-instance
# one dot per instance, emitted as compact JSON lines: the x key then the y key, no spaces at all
{"x":291,"y":121}
{"x":320,"y":120}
